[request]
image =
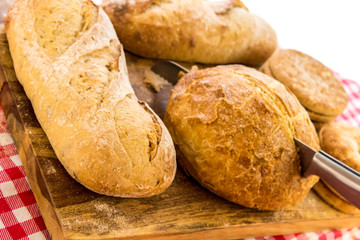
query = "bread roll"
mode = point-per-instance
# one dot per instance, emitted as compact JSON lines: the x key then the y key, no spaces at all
{"x":331,"y":197}
{"x":234,"y":128}
{"x":72,"y":66}
{"x":214,"y":32}
{"x":342,"y":141}
{"x":316,"y":86}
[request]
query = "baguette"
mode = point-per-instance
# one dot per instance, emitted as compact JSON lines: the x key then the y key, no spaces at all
{"x":72,"y":66}
{"x":211,"y":32}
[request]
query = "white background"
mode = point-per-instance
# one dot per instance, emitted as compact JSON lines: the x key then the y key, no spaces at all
{"x":326,"y":30}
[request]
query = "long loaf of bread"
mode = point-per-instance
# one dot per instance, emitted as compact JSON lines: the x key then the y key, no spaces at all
{"x":204,"y":31}
{"x":72,"y":66}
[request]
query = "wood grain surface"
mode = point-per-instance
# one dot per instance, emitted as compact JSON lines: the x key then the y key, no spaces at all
{"x":183,"y":211}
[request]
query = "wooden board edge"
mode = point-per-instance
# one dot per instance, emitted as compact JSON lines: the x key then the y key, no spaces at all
{"x":239,"y":232}
{"x":31,"y":167}
{"x":258,"y":230}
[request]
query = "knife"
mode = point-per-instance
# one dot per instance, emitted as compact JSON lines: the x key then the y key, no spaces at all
{"x":342,"y":178}
{"x":168,"y":70}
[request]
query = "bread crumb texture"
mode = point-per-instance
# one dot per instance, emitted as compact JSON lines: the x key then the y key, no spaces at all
{"x":234,"y":128}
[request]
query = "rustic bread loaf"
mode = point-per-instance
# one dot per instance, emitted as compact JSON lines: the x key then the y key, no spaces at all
{"x":234,"y":128}
{"x":214,"y":32}
{"x":72,"y":66}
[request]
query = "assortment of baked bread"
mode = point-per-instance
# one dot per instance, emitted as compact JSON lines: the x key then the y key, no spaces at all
{"x":233,"y":126}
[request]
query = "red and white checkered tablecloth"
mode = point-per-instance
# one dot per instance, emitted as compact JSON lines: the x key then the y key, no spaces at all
{"x":20,"y":217}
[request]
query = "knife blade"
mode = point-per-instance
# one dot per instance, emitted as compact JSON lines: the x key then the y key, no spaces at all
{"x":169,"y":70}
{"x":342,"y":178}
{"x":306,"y":154}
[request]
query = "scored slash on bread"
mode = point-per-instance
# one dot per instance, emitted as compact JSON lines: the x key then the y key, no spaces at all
{"x":72,"y":67}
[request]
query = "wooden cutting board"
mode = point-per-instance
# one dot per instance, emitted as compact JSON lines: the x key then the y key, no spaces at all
{"x":183,"y":211}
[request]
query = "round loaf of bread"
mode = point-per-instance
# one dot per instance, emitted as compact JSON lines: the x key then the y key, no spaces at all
{"x":316,"y":86}
{"x":201,"y":31}
{"x":234,"y":129}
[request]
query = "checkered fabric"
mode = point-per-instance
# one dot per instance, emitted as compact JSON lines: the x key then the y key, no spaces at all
{"x":351,"y":114}
{"x":20,"y":217}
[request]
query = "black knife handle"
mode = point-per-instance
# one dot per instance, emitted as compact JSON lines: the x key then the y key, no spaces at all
{"x":343,"y":179}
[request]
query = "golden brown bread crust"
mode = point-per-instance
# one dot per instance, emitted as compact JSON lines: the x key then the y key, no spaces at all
{"x":234,"y":129}
{"x":332,"y":198}
{"x":202,"y":31}
{"x":72,"y":66}
{"x":316,"y":87}
{"x":342,"y":141}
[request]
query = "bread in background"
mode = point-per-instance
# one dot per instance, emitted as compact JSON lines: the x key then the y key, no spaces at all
{"x":316,"y":86}
{"x":212,"y":32}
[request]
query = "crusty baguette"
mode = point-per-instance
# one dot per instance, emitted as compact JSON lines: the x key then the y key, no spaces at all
{"x":214,"y":32}
{"x":72,"y":66}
